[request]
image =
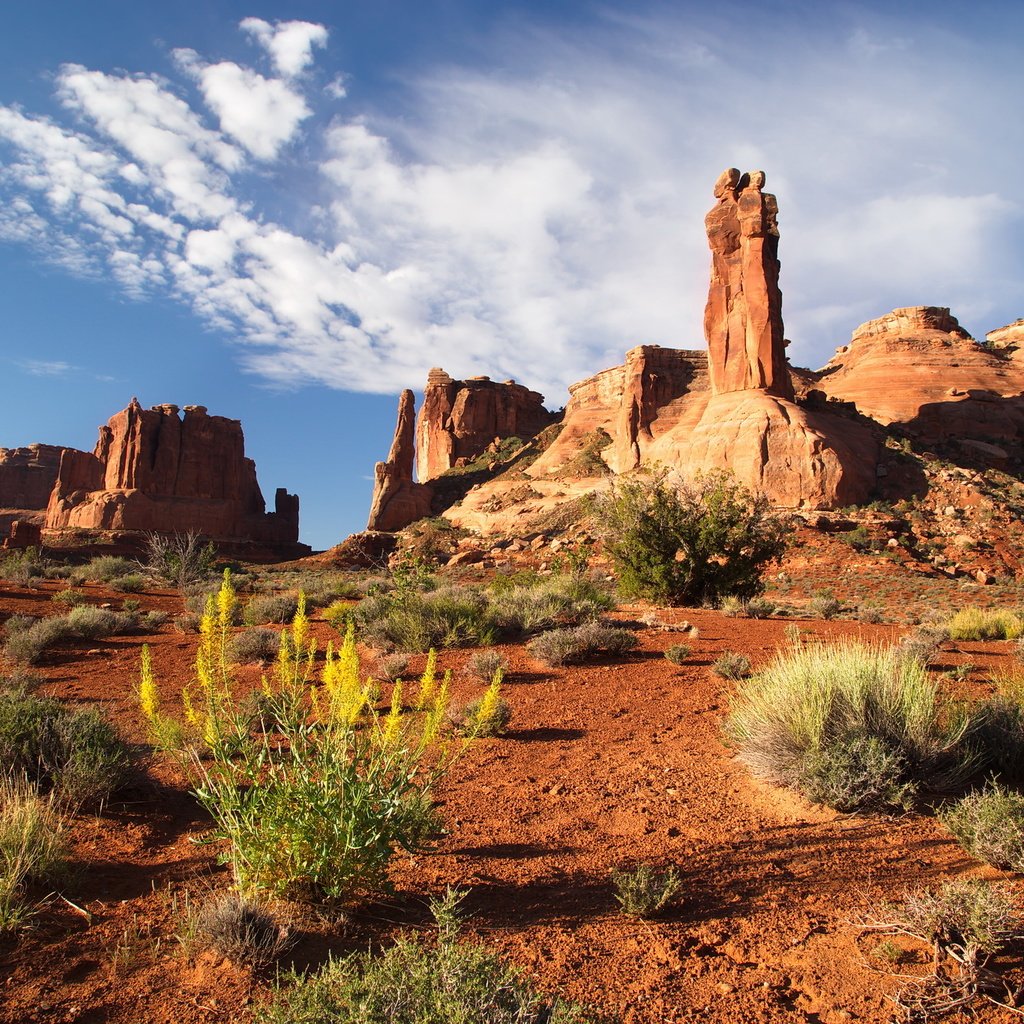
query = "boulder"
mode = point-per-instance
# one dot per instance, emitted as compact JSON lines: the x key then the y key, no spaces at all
{"x":397,"y":499}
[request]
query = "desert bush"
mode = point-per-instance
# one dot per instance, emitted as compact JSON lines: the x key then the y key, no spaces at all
{"x":644,"y":891}
{"x":32,"y":847}
{"x":155,"y":619}
{"x":690,"y":544}
{"x":998,"y":736}
{"x":760,"y":608}
{"x":254,"y":644}
{"x":91,"y":623}
{"x":22,"y":567}
{"x":533,"y":605}
{"x":870,"y":613}
{"x":72,"y":752}
{"x":859,"y":538}
{"x":102,"y":569}
{"x":19,"y":681}
{"x":922,"y":644}
{"x":732,"y":606}
{"x":187,"y":622}
{"x":313,"y":796}
{"x":323,"y":590}
{"x":18,"y":624}
{"x":990,"y":825}
{"x":247,"y":932}
{"x":410,"y":620}
{"x":391,"y":667}
{"x":69,"y":598}
{"x":677,"y":653}
{"x":129,"y":583}
{"x":483,"y":664}
{"x":488,"y":715}
{"x":181,"y":559}
{"x":731,"y":665}
{"x":337,"y":613}
{"x":825,"y":606}
{"x":415,"y":982}
{"x":985,"y":624}
{"x":264,"y":608}
{"x":575,"y":644}
{"x":853,"y":725}
{"x":27,"y":646}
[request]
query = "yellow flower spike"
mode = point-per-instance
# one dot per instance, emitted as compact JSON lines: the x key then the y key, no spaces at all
{"x":489,"y":701}
{"x":226,"y":602}
{"x":300,"y":625}
{"x":393,"y":722}
{"x":191,"y":714}
{"x":427,"y":682}
{"x":284,"y":658}
{"x":149,"y":698}
{"x":437,"y":709}
{"x":265,"y":686}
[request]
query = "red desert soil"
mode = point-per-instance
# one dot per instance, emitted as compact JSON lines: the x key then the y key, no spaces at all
{"x":605,"y":766}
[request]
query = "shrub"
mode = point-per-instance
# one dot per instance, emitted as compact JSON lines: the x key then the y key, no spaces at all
{"x":18,"y":624}
{"x":91,"y":623}
{"x":489,"y":715}
{"x":254,"y":645}
{"x":985,"y":624}
{"x":533,"y":605}
{"x":154,"y":619}
{"x":103,"y":569}
{"x":760,"y":608}
{"x":483,"y":664}
{"x":244,"y":931}
{"x":677,"y":653}
{"x":337,"y":613}
{"x":578,"y":643}
{"x":732,"y":606}
{"x":826,"y":606}
{"x":187,"y":622}
{"x":853,"y":725}
{"x":644,"y":891}
{"x":27,"y":646}
{"x":922,"y":644}
{"x":990,"y":825}
{"x":859,"y":538}
{"x":322,"y":591}
{"x":22,"y":567}
{"x":129,"y":583}
{"x":692,"y":544}
{"x":414,"y":621}
{"x":70,"y":751}
{"x":181,"y":559}
{"x":69,"y":598}
{"x":391,"y":667}
{"x":32,"y":847}
{"x":414,"y":982}
{"x":731,"y":665}
{"x":264,"y":608}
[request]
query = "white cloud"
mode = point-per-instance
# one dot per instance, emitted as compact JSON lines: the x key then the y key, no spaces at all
{"x":289,"y":43}
{"x":45,"y":367}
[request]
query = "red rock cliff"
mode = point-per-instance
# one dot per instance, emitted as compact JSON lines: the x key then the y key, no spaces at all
{"x":27,"y":475}
{"x":154,"y":470}
{"x":397,"y":499}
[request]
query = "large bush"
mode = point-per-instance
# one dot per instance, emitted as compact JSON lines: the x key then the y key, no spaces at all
{"x":692,"y":543}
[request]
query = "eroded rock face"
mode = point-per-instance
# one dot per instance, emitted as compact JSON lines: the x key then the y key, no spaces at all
{"x":1009,"y":337}
{"x":459,"y":419}
{"x":397,"y":499}
{"x":743,"y":316}
{"x":917,"y":367}
{"x":155,"y":471}
{"x":27,"y":475}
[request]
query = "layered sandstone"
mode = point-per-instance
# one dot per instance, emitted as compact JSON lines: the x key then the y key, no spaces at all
{"x":27,"y":475}
{"x":154,"y":470}
{"x":918,"y":368}
{"x":1007,"y":338}
{"x":397,"y":499}
{"x":460,"y":419}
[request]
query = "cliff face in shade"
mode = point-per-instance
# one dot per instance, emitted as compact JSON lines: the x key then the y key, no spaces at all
{"x":27,"y":475}
{"x":154,"y":470}
{"x":459,"y":419}
{"x":397,"y":499}
{"x":918,"y":368}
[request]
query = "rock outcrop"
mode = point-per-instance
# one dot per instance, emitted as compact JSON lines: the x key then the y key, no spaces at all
{"x":919,"y":369}
{"x":1006,"y":338}
{"x":27,"y":476}
{"x":154,"y":470}
{"x":459,"y":419}
{"x":397,"y":499}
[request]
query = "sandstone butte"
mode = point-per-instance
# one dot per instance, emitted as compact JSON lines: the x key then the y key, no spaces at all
{"x":154,"y":470}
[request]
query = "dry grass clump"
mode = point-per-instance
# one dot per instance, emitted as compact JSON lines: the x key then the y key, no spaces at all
{"x":245,"y":931}
{"x":409,"y":620}
{"x":575,"y":644}
{"x":731,"y":665}
{"x":922,"y":644}
{"x":985,"y":624}
{"x":392,"y":667}
{"x":677,"y":653}
{"x":103,"y":569}
{"x":529,"y":607}
{"x":28,"y":642}
{"x":990,"y":825}
{"x":850,"y":725}
{"x":265,"y":608}
{"x":253,"y":645}
{"x":483,"y":664}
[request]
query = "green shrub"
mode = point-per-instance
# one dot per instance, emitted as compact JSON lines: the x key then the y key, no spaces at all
{"x":69,"y":598}
{"x":677,"y":653}
{"x":32,"y":847}
{"x":18,"y":624}
{"x":129,"y":583}
{"x":859,"y":538}
{"x":70,"y":751}
{"x":181,"y":559}
{"x":415,"y":982}
{"x":337,"y":613}
{"x":264,"y":608}
{"x":254,"y":644}
{"x":526,"y":608}
{"x":187,"y":622}
{"x":155,"y":619}
{"x":644,"y":891}
{"x":392,"y":667}
{"x":416,"y":621}
{"x":732,"y":606}
{"x":922,"y":644}
{"x":760,"y":608}
{"x":985,"y":624}
{"x":575,"y":644}
{"x":483,"y":664}
{"x":847,"y":722}
{"x":990,"y":825}
{"x":689,"y":545}
{"x":27,"y":646}
{"x":103,"y":569}
{"x":731,"y":665}
{"x":92,"y":623}
{"x":825,"y":606}
{"x":23,"y":567}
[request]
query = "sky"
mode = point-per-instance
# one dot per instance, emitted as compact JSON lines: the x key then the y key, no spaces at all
{"x":289,"y":212}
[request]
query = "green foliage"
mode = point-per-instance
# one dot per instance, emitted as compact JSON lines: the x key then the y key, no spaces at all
{"x":985,"y":624}
{"x":69,"y":598}
{"x":825,"y":606}
{"x":70,"y":751}
{"x":103,"y":569}
{"x":692,"y":544}
{"x":264,"y":608}
{"x":677,"y":653}
{"x":129,"y":583}
{"x":644,"y":891}
{"x":852,"y":725}
{"x":575,"y":644}
{"x":23,"y":567}
{"x":415,"y":982}
{"x":543,"y":602}
{"x":180,"y":559}
{"x":990,"y":825}
{"x":859,"y":538}
{"x":32,"y":847}
{"x":483,"y":664}
{"x":411,"y":620}
{"x":253,"y":645}
{"x":731,"y":665}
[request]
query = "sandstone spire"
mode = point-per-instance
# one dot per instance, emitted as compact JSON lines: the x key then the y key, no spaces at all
{"x":397,"y":499}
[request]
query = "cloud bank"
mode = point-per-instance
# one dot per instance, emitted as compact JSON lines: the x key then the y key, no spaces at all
{"x":534,"y":217}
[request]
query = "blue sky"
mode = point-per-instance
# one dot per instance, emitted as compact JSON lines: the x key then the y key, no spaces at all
{"x":289,"y":212}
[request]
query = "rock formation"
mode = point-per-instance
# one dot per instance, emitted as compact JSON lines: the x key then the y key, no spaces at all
{"x":1006,"y":338}
{"x":27,"y":476}
{"x":918,"y":368}
{"x":397,"y":499}
{"x":459,"y":419}
{"x":154,"y":470}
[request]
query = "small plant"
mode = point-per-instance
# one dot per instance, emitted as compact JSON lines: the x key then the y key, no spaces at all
{"x":102,"y":569}
{"x":130,"y":604}
{"x":69,"y":598}
{"x":154,"y":619}
{"x":32,"y":847}
{"x":761,"y":608}
{"x":27,"y":646}
{"x":825,"y":606}
{"x":489,"y":715}
{"x":181,"y":559}
{"x":677,"y":653}
{"x":859,"y":538}
{"x":264,"y":608}
{"x":870,"y":613}
{"x":922,"y":644}
{"x":483,"y":664}
{"x":962,"y":672}
{"x":129,"y":583}
{"x":415,"y":982}
{"x":985,"y":624}
{"x":254,"y":644}
{"x":23,"y":568}
{"x":570,"y":646}
{"x":731,"y":665}
{"x":732,"y":606}
{"x":187,"y":622}
{"x":246,"y":932}
{"x":990,"y":825}
{"x":644,"y":891}
{"x":411,"y":620}
{"x":392,"y":667}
